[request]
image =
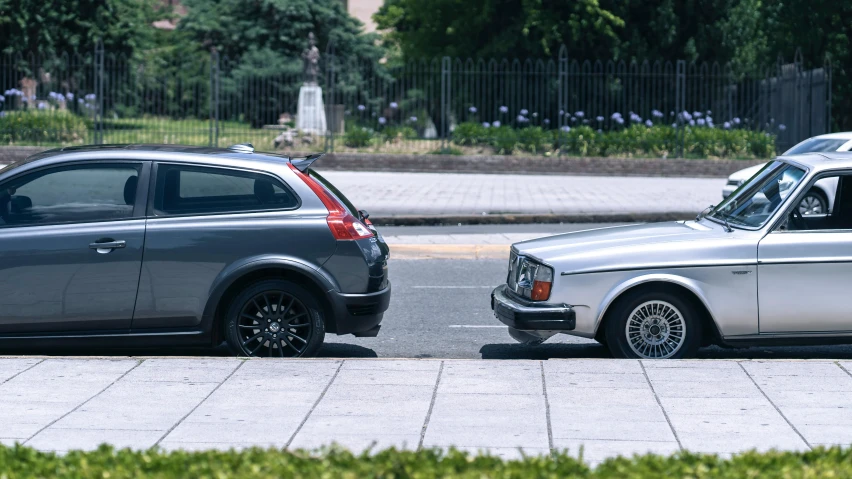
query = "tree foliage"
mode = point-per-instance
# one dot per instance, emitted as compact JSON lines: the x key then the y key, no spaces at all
{"x":46,"y":28}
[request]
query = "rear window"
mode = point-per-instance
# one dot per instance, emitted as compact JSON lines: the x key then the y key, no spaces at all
{"x":335,"y":192}
{"x":202,"y":190}
{"x":816,"y":145}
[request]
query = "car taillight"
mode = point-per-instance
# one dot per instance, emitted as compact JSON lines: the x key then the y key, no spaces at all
{"x":542,"y":282}
{"x":343,"y":225}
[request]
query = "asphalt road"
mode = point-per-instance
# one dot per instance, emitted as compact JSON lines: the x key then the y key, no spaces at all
{"x":441,"y":309}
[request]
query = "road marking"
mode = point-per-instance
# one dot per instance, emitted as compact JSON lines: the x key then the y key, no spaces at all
{"x":451,"y":287}
{"x":477,"y":326}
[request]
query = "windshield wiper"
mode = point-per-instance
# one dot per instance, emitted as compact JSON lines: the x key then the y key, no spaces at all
{"x":724,"y":218}
{"x":703,"y":212}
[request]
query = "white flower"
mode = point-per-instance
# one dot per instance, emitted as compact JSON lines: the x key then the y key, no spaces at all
{"x":413,"y":119}
{"x":521,"y":118}
{"x":600,"y":118}
{"x":472,"y":109}
{"x":691,"y":122}
{"x":649,"y":123}
{"x":566,"y":128}
{"x":361,"y":107}
{"x":382,"y":120}
{"x":394,"y":105}
{"x":686,"y":116}
{"x":504,"y":109}
{"x":700,"y":122}
{"x":736,"y":121}
{"x":619,"y":120}
{"x":546,"y":121}
{"x":524,"y":111}
{"x":496,"y":124}
{"x":782,"y":127}
{"x":486,"y":124}
{"x":616,"y":116}
{"x":579,"y":114}
{"x":696,"y":114}
{"x":656,"y":113}
{"x":726,"y":125}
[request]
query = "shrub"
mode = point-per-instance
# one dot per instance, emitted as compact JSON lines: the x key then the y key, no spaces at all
{"x":398,"y":133}
{"x":105,"y":462}
{"x":533,"y":139}
{"x":34,"y":126}
{"x":761,"y":144}
{"x":504,"y":139}
{"x":582,"y":141}
{"x":470,"y":133}
{"x":447,"y":151}
{"x":357,"y":137}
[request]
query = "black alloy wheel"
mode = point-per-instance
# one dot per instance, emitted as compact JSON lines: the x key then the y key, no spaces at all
{"x":275,"y":319}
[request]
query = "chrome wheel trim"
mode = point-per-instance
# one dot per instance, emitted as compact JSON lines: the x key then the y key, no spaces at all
{"x":655,"y":330}
{"x":812,"y":205}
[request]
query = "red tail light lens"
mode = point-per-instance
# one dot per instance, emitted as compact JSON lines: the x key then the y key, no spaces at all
{"x":341,"y":223}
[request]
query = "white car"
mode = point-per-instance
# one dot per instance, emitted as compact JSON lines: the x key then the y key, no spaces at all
{"x":820,"y":199}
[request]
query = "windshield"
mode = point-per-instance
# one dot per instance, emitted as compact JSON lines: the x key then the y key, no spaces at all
{"x":756,"y":201}
{"x":812,"y":145}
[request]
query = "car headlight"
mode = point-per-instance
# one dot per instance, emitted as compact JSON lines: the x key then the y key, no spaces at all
{"x":529,"y":278}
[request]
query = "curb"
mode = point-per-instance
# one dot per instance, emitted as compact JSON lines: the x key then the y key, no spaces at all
{"x":449,"y":251}
{"x":506,"y":219}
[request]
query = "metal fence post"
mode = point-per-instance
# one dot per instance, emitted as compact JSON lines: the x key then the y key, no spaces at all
{"x":827,"y":68}
{"x":214,"y":98}
{"x":680,"y":105}
{"x":331,"y":122}
{"x":99,"y":93}
{"x":563,"y":95}
{"x":446,"y":95}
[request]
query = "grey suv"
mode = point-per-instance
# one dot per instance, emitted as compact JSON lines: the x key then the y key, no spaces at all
{"x":147,"y":245}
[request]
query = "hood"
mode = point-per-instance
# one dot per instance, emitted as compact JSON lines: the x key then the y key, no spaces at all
{"x":654,"y":245}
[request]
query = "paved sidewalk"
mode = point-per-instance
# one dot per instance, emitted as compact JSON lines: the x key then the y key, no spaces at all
{"x":410,"y":194}
{"x":608,"y":407}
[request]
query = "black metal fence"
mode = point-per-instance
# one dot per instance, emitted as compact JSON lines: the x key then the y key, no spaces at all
{"x":557,"y":105}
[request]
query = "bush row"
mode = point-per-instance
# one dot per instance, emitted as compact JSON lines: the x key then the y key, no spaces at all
{"x":33,"y":126}
{"x":636,"y":140}
{"x":23,"y":462}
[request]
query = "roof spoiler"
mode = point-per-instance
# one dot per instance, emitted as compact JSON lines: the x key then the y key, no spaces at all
{"x":302,"y":164}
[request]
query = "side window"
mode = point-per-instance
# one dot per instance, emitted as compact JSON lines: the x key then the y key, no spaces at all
{"x":197,"y":190}
{"x":74,"y":194}
{"x":826,"y":205}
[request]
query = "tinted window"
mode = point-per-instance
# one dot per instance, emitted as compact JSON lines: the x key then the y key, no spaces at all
{"x":189,"y":190}
{"x":816,"y":145}
{"x":70,"y":195}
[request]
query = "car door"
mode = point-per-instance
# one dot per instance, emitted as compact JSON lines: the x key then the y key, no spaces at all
{"x":804,"y":269}
{"x":71,"y":242}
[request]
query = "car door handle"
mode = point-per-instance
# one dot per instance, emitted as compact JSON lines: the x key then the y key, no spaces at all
{"x":107,"y":245}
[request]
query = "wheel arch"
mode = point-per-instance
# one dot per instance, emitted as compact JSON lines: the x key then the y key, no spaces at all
{"x":666,"y":282}
{"x":233,"y":280}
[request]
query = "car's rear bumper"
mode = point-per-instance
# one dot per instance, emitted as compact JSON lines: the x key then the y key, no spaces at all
{"x":530,"y":316}
{"x":359,"y":314}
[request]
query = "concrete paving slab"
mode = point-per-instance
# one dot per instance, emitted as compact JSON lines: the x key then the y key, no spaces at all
{"x":391,"y":365}
{"x":794,"y":368}
{"x":694,"y":364}
{"x":485,"y":437}
{"x":723,"y":406}
{"x":267,"y":430}
{"x":703,"y":389}
{"x":593,"y":366}
{"x":389,"y":377}
{"x":506,"y":453}
{"x":368,"y":408}
{"x":183,"y":370}
{"x":592,"y":380}
{"x":637,"y":430}
{"x":604,"y":397}
{"x":357,"y":443}
{"x":596,"y":451}
{"x":10,"y":367}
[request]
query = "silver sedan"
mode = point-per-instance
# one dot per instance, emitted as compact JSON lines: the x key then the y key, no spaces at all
{"x":754,"y":270}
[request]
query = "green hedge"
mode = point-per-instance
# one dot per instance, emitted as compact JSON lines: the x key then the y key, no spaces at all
{"x":23,"y":462}
{"x":636,"y":140}
{"x":35,"y":127}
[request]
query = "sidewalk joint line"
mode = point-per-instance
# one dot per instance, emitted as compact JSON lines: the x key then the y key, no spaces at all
{"x":660,"y":403}
{"x":773,"y":405}
{"x":844,"y":369}
{"x":205,"y":398}
{"x":431,"y":406}
{"x":51,"y":423}
{"x":314,"y":406}
{"x":547,"y":411}
{"x":21,"y":372}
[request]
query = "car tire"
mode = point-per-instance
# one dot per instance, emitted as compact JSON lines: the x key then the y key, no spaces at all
{"x":274,"y":318}
{"x":813,"y":199}
{"x":662,"y":326}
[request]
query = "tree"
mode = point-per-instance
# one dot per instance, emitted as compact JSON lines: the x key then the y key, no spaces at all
{"x":498,"y":28}
{"x":48,"y":28}
{"x":277,"y":28}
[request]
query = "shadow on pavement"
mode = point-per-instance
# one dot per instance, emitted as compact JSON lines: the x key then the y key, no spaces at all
{"x":343,"y":350}
{"x":543,"y":351}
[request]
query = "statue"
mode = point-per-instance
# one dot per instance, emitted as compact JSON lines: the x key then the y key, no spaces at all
{"x":310,"y":58}
{"x":310,"y":116}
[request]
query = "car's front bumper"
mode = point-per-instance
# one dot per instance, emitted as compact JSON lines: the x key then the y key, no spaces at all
{"x":359,"y":314}
{"x":530,"y":316}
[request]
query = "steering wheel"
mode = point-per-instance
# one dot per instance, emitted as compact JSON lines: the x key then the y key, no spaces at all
{"x":797,"y":220}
